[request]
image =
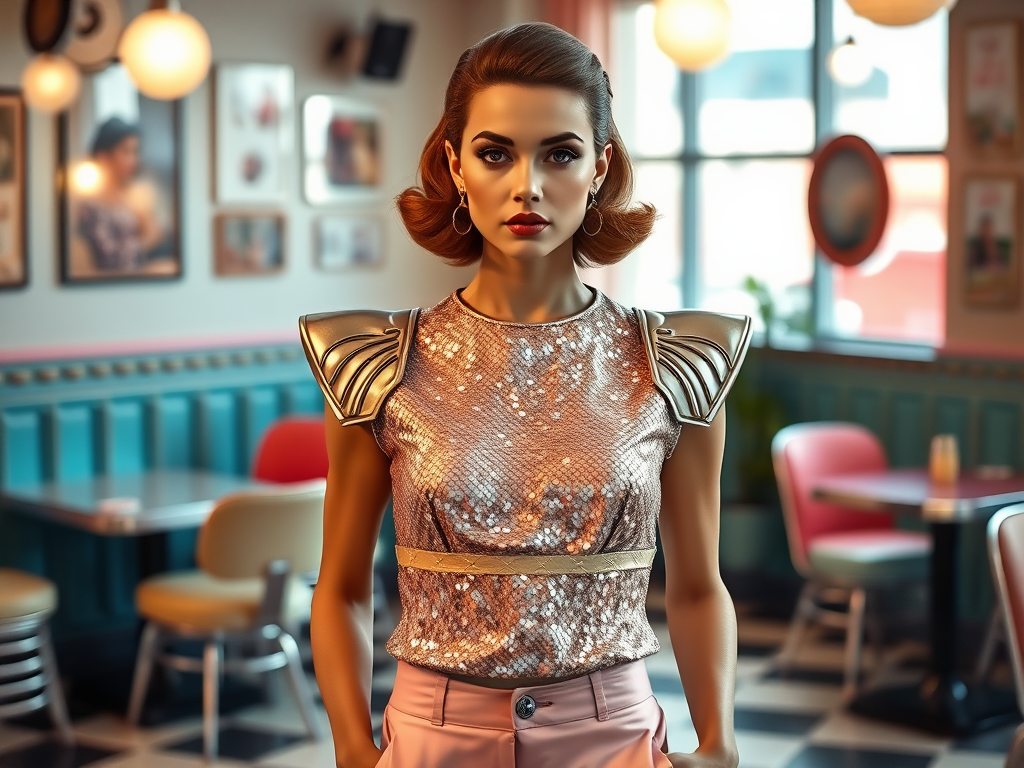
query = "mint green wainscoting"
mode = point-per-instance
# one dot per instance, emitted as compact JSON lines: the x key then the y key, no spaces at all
{"x":70,"y":419}
{"x":905,"y":403}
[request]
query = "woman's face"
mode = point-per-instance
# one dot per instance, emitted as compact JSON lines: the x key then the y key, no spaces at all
{"x":122,"y":161}
{"x":527,"y":152}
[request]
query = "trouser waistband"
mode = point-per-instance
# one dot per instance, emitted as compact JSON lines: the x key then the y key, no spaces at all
{"x":436,"y":697}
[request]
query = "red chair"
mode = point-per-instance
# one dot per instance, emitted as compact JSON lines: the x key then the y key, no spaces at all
{"x":292,"y":450}
{"x":845,"y":555}
{"x":1006,"y":555}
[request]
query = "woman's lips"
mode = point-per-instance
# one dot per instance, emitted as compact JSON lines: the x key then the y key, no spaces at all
{"x":526,"y":224}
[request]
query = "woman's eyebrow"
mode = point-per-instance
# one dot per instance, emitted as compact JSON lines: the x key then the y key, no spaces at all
{"x":560,"y":138}
{"x":497,"y":138}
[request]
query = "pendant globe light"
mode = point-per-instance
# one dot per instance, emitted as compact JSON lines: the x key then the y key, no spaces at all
{"x":693,"y":33}
{"x":849,"y":65}
{"x":166,"y":51}
{"x":898,"y":13}
{"x":50,"y":82}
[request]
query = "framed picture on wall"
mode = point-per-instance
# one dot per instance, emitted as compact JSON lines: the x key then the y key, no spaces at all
{"x":341,"y":150}
{"x":254,"y":140}
{"x":13,"y":241}
{"x":120,"y":160}
{"x":249,"y":243}
{"x":991,"y":242}
{"x":343,"y":242}
{"x":992,"y":87}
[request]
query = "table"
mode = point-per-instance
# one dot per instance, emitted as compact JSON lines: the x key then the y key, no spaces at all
{"x":942,"y":703}
{"x":163,"y":499}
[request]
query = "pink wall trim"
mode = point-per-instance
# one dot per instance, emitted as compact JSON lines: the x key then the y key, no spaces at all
{"x":148,"y":347}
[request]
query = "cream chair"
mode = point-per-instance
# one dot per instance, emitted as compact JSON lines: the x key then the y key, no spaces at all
{"x":29,"y":681}
{"x":248,"y":592}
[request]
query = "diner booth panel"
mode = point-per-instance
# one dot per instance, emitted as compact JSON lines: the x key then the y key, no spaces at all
{"x":905,"y":403}
{"x":204,"y":410}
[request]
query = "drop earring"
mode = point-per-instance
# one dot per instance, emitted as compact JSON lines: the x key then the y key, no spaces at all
{"x":460,"y":206}
{"x":600,"y":217}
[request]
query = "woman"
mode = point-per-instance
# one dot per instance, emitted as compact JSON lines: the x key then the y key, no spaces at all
{"x":529,"y":428}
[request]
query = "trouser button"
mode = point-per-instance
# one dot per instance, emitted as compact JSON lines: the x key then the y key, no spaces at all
{"x":525,"y":707}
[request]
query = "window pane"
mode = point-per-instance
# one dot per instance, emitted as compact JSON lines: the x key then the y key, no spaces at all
{"x":759,"y":98}
{"x":753,"y":222}
{"x":650,"y":277}
{"x":903,"y":103}
{"x":899,"y":293}
{"x":646,"y":86}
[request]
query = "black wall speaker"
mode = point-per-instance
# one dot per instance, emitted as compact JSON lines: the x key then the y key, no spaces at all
{"x":384,"y":55}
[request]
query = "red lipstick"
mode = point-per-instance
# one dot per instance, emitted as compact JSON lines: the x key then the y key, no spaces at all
{"x":526,"y":224}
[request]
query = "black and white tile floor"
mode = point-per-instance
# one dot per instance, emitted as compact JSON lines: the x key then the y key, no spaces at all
{"x":792,"y":722}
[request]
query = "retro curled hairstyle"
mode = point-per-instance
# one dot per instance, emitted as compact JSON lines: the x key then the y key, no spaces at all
{"x":534,"y":54}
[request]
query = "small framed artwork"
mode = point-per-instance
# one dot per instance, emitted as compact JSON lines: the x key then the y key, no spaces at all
{"x":249,"y":243}
{"x":991,"y":242}
{"x":341,"y":150}
{"x":349,"y":241}
{"x":13,"y":242}
{"x":253,"y":142}
{"x":120,"y":161}
{"x":992,"y":87}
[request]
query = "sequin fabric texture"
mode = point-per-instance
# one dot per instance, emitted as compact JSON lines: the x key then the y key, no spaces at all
{"x":514,"y":438}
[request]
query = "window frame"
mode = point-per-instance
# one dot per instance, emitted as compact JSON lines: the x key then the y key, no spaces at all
{"x":690,"y":159}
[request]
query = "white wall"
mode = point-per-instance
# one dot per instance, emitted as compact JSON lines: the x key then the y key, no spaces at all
{"x":970,"y":330}
{"x":201,"y":307}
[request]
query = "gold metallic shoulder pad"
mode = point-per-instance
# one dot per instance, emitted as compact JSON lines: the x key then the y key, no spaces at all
{"x":357,"y":357}
{"x":694,"y":357}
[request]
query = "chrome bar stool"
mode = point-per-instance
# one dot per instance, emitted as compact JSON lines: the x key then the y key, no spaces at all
{"x":28,"y":669}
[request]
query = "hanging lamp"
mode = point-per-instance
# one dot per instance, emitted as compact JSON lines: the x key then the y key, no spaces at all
{"x":849,"y":65}
{"x":166,"y":51}
{"x":693,"y":33}
{"x":898,"y":13}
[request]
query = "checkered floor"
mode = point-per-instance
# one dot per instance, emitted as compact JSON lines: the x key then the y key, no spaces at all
{"x":792,"y":722}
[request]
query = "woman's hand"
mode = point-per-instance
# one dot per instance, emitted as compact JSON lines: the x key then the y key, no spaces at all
{"x":369,"y":759}
{"x":698,"y":759}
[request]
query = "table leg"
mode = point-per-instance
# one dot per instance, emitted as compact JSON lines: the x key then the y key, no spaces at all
{"x":943,"y":703}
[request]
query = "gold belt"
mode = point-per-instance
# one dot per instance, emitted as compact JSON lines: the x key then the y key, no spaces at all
{"x":527,"y":565}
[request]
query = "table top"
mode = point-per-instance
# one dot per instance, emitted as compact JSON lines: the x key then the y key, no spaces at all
{"x":911,"y":491}
{"x":129,"y":505}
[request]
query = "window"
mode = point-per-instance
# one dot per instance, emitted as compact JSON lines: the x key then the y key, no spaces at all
{"x":725,"y":155}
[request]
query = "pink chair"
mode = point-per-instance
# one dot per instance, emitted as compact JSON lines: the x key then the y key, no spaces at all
{"x":292,"y":450}
{"x":1006,"y":555}
{"x":845,"y":555}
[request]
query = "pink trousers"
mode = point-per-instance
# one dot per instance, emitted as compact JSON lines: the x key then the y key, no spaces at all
{"x":607,"y":719}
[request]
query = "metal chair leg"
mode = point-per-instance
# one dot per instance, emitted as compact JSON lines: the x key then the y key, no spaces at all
{"x":994,"y":634}
{"x":143,"y":670}
{"x":854,"y":640}
{"x":802,"y":616}
{"x":299,"y":685}
{"x":212,"y":656}
{"x":55,"y":695}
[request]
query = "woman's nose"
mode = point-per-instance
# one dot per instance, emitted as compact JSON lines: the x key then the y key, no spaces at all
{"x":527,"y":186}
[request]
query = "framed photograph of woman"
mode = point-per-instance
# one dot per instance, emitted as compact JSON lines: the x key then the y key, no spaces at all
{"x":249,"y":243}
{"x":120,"y":156}
{"x":991,"y":242}
{"x":992,"y":87}
{"x":13,"y":242}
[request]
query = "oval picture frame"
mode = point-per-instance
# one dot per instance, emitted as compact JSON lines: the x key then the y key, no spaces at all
{"x":848,"y":200}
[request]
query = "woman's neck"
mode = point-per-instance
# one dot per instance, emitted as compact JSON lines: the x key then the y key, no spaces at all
{"x":534,"y":291}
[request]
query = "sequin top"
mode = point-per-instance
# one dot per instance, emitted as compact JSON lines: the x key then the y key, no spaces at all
{"x":543,"y":438}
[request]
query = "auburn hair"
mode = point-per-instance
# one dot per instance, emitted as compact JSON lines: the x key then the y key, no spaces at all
{"x":533,"y":54}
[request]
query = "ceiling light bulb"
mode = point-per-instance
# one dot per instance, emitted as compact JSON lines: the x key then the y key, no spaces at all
{"x":50,"y":82}
{"x":693,"y":33}
{"x":849,"y":65}
{"x":166,"y":53}
{"x":898,"y":13}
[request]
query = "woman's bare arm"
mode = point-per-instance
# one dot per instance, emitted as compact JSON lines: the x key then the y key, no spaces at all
{"x":699,"y":609}
{"x":341,"y":627}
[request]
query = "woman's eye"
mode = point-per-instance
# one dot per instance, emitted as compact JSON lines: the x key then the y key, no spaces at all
{"x":563,"y":156}
{"x":492,"y":155}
